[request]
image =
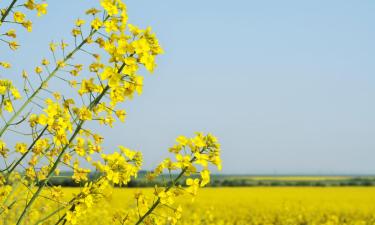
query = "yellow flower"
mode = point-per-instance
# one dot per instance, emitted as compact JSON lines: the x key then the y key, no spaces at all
{"x":205,"y":175}
{"x":166,"y":198}
{"x":8,"y":105}
{"x":121,"y":115}
{"x":201,"y":159}
{"x":148,"y":61}
{"x":138,"y":82}
{"x":199,"y":141}
{"x":6,"y":65}
{"x":134,"y":29}
{"x":96,"y":24}
{"x":24,"y":74}
{"x":71,"y":217}
{"x":13,"y":45}
{"x":184,"y":161}
{"x":79,"y":148}
{"x":56,"y":95}
{"x":38,"y":70}
{"x":84,"y":114}
{"x":79,"y":174}
{"x":30,"y":4}
{"x":60,"y":64}
{"x":21,"y":148}
{"x":182,"y":140}
{"x":175,"y":149}
{"x":76,"y":32}
{"x":3,"y":148}
{"x":42,"y":119}
{"x":92,"y":11}
{"x":193,"y":185}
{"x":57,"y":193}
{"x":19,"y":17}
{"x":111,"y":26}
{"x":80,"y":22}
{"x":109,"y":6}
{"x":63,"y":45}
{"x":110,"y":74}
{"x":45,"y":62}
{"x":15,"y":93}
{"x":28,"y":25}
{"x":41,"y":8}
{"x":141,"y":46}
{"x":52,"y":46}
{"x":11,"y":33}
{"x":33,"y":120}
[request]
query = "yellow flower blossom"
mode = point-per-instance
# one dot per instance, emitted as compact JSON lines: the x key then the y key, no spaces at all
{"x":121,"y":114}
{"x":8,"y":105}
{"x":13,"y":45}
{"x":109,"y":6}
{"x":28,"y":25}
{"x":96,"y":24}
{"x":19,"y":17}
{"x":11,"y":33}
{"x":38,"y":70}
{"x":21,"y":148}
{"x":80,"y":22}
{"x":3,"y":148}
{"x":41,"y":8}
{"x":6,"y":65}
{"x":92,"y":11}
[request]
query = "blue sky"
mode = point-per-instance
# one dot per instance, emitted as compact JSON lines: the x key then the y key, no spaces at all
{"x":287,"y":86}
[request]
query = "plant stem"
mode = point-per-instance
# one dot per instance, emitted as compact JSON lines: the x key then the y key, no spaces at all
{"x":8,"y":10}
{"x":28,"y":150}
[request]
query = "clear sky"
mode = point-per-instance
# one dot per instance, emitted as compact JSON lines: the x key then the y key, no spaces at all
{"x":287,"y":86}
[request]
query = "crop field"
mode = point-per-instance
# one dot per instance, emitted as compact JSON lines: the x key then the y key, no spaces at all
{"x":290,"y":205}
{"x":254,"y":205}
{"x":266,"y":205}
{"x":299,"y":178}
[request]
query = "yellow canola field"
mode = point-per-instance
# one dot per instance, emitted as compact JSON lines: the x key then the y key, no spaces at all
{"x":232,"y":206}
{"x":261,"y":205}
{"x":297,"y":178}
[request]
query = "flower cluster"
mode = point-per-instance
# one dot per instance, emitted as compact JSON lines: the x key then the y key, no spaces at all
{"x":119,"y":168}
{"x":91,"y":193}
{"x":56,"y":123}
{"x":8,"y":94}
{"x":193,"y":157}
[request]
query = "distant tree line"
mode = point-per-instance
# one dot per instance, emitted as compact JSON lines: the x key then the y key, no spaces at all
{"x":229,"y":181}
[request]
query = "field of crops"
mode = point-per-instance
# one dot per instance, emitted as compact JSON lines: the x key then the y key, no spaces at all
{"x":240,"y":205}
{"x":262,"y":205}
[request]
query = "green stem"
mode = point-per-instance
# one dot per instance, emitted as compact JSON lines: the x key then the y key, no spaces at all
{"x":24,"y":155}
{"x":8,"y":10}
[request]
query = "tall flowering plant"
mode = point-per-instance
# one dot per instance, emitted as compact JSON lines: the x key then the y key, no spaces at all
{"x":55,"y":134}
